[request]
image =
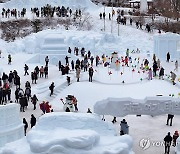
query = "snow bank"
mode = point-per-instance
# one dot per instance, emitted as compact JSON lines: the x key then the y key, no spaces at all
{"x":65,"y":133}
{"x":128,"y":106}
{"x":178,"y":146}
{"x":11,"y":127}
{"x":38,"y":3}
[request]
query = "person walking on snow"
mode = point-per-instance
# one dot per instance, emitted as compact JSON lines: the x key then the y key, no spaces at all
{"x":154,"y":68}
{"x":68,"y":80}
{"x":26,"y":70}
{"x":47,"y":107}
{"x":168,"y":57}
{"x":42,"y":107}
{"x":34,"y":101}
{"x":167,"y":140}
{"x":91,"y":71}
{"x":51,"y":88}
{"x":78,"y":73}
{"x":170,"y":117}
{"x":158,"y":63}
{"x":161,"y":73}
{"x":9,"y":59}
{"x":46,"y":60}
{"x":176,"y":66}
{"x":33,"y":120}
{"x":124,"y":127}
{"x":175,"y":136}
{"x":173,"y":77}
{"x":25,"y":126}
{"x":150,"y":74}
{"x":74,"y":101}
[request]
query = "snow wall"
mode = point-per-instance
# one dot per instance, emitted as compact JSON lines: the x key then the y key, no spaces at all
{"x":71,"y":133}
{"x":168,"y":42}
{"x":11,"y":127}
{"x":120,"y":107}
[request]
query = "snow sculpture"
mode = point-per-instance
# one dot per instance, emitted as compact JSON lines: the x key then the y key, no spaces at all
{"x":120,"y":107}
{"x":143,"y":6}
{"x":168,"y":42}
{"x":11,"y":127}
{"x":53,"y":47}
{"x":67,"y":133}
{"x":114,"y":63}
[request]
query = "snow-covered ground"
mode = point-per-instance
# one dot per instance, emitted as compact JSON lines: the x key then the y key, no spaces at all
{"x":104,"y":85}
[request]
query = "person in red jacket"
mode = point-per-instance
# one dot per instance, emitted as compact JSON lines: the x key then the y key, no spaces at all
{"x":126,"y":61}
{"x":47,"y":107}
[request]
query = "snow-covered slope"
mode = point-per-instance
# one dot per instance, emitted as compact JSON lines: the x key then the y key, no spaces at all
{"x":38,"y":3}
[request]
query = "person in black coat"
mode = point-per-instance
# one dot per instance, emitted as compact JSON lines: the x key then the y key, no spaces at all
{"x":34,"y":101}
{"x":1,"y":95}
{"x":51,"y":88}
{"x":22,"y":103}
{"x":91,"y":71}
{"x":170,"y":117}
{"x":25,"y":126}
{"x":46,"y":71}
{"x":9,"y":93}
{"x":26,"y":70}
{"x":18,"y":82}
{"x":67,"y":60}
{"x":4,"y":78}
{"x":161,"y":73}
{"x":167,"y":140}
{"x":27,"y":84}
{"x":78,"y":62}
{"x":72,"y":65}
{"x":35,"y":77}
{"x":36,"y":70}
{"x":154,"y":68}
{"x":33,"y":120}
{"x":17,"y":95}
{"x":0,"y":82}
{"x":32,"y":77}
{"x":168,"y":57}
{"x":59,"y":65}
{"x":4,"y":95}
{"x":10,"y":79}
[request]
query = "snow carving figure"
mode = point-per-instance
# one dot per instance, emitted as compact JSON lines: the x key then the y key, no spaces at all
{"x":143,"y":6}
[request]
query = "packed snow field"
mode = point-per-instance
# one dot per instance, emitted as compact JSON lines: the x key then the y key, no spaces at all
{"x":80,"y":132}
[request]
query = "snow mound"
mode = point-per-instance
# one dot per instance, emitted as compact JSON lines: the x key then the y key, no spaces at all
{"x":83,"y":4}
{"x":77,"y":133}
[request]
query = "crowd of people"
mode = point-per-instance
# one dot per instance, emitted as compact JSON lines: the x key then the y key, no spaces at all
{"x":122,"y":19}
{"x":85,"y":62}
{"x":45,"y":11}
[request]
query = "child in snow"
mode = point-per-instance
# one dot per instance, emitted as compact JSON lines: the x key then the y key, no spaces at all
{"x":150,"y":74}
